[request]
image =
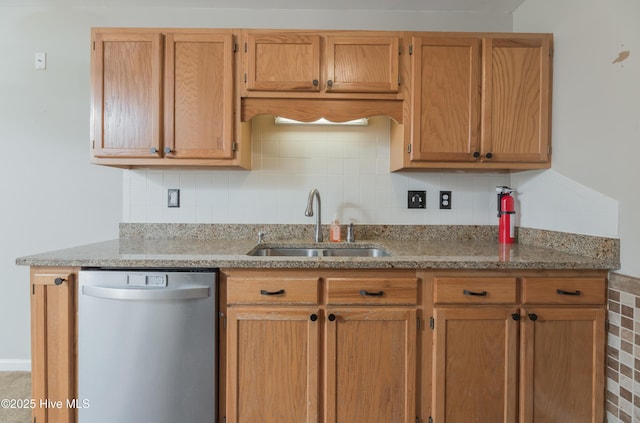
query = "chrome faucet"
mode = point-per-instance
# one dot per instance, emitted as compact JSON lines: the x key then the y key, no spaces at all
{"x":309,"y":212}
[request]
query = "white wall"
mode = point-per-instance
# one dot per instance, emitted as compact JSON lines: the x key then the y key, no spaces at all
{"x":596,"y":111}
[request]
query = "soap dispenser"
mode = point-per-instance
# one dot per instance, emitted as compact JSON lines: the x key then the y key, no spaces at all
{"x":335,"y":232}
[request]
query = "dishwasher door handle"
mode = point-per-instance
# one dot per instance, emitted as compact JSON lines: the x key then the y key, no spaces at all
{"x":145,"y":294}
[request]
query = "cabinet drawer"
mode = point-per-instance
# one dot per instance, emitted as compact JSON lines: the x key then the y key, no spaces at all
{"x":563,"y":290}
{"x":272,"y":291}
{"x":475,"y":290}
{"x":372,"y":291}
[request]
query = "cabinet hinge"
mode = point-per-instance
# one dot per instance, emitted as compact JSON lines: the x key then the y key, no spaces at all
{"x":417,"y":419}
{"x":409,"y":148}
{"x":93,"y":144}
{"x":399,"y":81}
{"x":430,"y":419}
{"x":418,"y":322}
{"x":399,"y":50}
{"x":245,"y":78}
{"x":234,"y":146}
{"x":94,"y":49}
{"x":245,"y":46}
{"x":235,"y":47}
{"x":432,"y":322}
{"x":33,"y":289}
{"x":410,"y":49}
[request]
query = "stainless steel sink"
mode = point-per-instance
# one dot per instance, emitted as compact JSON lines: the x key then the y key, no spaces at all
{"x":318,"y":252}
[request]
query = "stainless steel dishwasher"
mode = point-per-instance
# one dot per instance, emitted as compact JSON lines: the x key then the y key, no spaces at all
{"x":147,"y":346}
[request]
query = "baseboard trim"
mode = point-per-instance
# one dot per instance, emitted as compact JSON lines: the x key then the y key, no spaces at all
{"x":13,"y":365}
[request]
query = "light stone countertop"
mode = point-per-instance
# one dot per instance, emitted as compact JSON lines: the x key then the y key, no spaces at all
{"x":142,"y":250}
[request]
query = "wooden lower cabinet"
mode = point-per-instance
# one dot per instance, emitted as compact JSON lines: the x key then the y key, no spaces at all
{"x":562,"y":365}
{"x":539,"y":360}
{"x":53,"y":341}
{"x":475,"y":364}
{"x":272,"y":369}
{"x":370,"y":365}
{"x":291,"y":361}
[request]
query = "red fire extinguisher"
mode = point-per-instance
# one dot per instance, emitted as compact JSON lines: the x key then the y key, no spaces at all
{"x":506,"y":215}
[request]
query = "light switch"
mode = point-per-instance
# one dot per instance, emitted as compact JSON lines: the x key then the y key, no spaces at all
{"x":40,"y":62}
{"x":173,"y":197}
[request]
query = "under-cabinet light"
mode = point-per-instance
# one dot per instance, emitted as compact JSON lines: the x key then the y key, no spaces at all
{"x":279,"y":120}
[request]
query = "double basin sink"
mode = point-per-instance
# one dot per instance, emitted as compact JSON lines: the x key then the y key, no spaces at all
{"x":318,"y":251}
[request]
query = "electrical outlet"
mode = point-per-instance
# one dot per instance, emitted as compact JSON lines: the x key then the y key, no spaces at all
{"x":445,"y":200}
{"x":417,"y":200}
{"x":173,"y":197}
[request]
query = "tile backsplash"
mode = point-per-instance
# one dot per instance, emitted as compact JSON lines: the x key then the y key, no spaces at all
{"x":623,"y":350}
{"x":348,"y":165}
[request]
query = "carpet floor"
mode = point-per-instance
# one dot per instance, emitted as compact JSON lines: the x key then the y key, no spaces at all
{"x":15,"y":389}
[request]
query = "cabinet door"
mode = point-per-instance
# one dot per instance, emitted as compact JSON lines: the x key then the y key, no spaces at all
{"x":127,"y":78}
{"x":362,"y":64}
{"x":199,"y":95}
{"x":371,"y":365}
{"x":517,"y":100}
{"x":53,"y":344}
{"x":283,"y":62}
{"x":272,"y":362}
{"x":446,"y":99}
{"x":475,"y":364}
{"x":562,"y":365}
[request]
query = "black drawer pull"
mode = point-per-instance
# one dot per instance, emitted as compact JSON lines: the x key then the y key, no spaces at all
{"x":563,"y":292}
{"x":365,"y":293}
{"x":476,"y":294}
{"x":58,"y":281}
{"x":265,"y":292}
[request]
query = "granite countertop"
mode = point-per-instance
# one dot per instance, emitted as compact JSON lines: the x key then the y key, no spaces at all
{"x":409,"y":248}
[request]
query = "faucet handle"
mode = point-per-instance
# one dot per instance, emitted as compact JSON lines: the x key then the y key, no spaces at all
{"x":351,"y":236}
{"x":261,"y":236}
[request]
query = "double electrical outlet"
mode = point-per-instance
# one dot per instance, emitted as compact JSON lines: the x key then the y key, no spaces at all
{"x":418,"y":200}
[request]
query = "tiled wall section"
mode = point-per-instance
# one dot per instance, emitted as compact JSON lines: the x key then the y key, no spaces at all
{"x":623,"y":352}
{"x":349,"y":165}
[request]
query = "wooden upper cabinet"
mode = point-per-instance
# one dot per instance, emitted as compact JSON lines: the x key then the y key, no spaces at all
{"x":198,"y":95}
{"x":446,"y":98}
{"x":127,"y":78}
{"x":165,"y":97}
{"x":480,"y":101}
{"x":305,"y":62}
{"x":283,"y":62}
{"x":362,"y":64}
{"x":517,"y":99}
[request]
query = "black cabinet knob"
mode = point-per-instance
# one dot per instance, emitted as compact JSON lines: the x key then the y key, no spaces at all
{"x":315,"y":82}
{"x":533,"y":317}
{"x":313,"y":317}
{"x":167,"y":150}
{"x":515,"y":316}
{"x":58,"y":281}
{"x":330,"y":83}
{"x":153,"y":150}
{"x":488,"y":155}
{"x":476,"y":154}
{"x":332,"y":317}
